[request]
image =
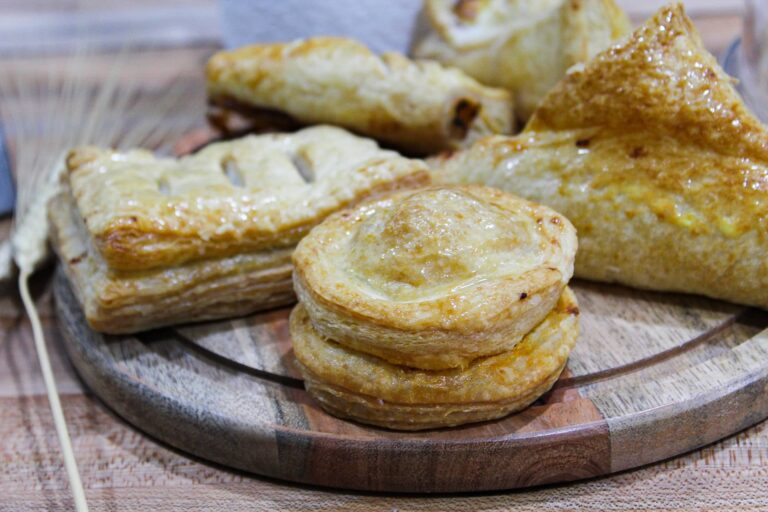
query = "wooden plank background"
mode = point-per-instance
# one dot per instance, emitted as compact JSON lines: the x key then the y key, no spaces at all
{"x":125,"y":470}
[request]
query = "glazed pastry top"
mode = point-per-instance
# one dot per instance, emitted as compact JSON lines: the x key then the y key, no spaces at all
{"x":255,"y":193}
{"x":438,"y":258}
{"x":653,"y":122}
{"x":441,"y":241}
{"x":662,"y":77}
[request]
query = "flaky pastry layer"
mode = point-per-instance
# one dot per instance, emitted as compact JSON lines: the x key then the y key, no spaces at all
{"x":117,"y":302}
{"x":437,"y":277}
{"x":419,"y":107}
{"x":258,"y":193}
{"x":653,"y":156}
{"x":370,"y":390}
{"x":525,"y":46}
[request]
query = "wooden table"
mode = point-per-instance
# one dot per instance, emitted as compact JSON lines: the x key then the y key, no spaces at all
{"x":124,"y":470}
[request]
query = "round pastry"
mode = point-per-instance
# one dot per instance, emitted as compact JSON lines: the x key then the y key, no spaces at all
{"x":435,"y":278}
{"x":367,"y":389}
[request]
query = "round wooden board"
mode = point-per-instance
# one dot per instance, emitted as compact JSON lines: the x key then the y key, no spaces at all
{"x":653,"y":375}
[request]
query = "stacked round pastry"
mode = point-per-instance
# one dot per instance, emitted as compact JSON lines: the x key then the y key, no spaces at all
{"x":434,"y":307}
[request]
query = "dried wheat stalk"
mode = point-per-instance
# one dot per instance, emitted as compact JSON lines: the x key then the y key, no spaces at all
{"x":46,"y":117}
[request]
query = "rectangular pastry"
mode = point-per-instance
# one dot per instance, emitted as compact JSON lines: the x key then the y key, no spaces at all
{"x":149,"y":241}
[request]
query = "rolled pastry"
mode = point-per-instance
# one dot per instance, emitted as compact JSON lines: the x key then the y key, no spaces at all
{"x":148,"y":241}
{"x":651,"y":153}
{"x":525,"y":46}
{"x":417,"y":107}
{"x":434,"y":278}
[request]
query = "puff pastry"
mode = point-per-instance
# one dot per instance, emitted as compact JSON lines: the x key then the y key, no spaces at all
{"x":148,"y":241}
{"x":367,"y":389}
{"x":653,"y":156}
{"x":417,"y":107}
{"x":434,"y":278}
{"x":128,"y":301}
{"x":525,"y":46}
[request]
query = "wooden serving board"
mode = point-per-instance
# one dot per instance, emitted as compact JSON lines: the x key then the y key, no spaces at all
{"x":653,"y":375}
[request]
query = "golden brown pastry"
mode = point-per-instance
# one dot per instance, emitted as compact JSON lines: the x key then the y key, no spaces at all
{"x":367,"y":389}
{"x":652,"y":155}
{"x":418,"y":107}
{"x":150,"y":241}
{"x":117,"y":301}
{"x":525,"y":46}
{"x":435,"y":307}
{"x":434,"y":278}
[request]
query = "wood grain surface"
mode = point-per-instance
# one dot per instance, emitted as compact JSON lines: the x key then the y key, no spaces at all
{"x":126,"y":470}
{"x":680,"y":370}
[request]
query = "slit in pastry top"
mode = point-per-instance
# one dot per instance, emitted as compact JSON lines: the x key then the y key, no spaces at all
{"x":250,"y":194}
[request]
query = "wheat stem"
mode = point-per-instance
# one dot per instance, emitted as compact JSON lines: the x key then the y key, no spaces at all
{"x":60,"y":423}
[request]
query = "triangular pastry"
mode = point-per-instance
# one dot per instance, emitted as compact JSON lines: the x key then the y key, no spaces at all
{"x":525,"y":46}
{"x":652,"y":155}
{"x":150,"y":241}
{"x":416,"y":107}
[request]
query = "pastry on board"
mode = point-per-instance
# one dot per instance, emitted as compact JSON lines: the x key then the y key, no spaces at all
{"x":525,"y":46}
{"x":148,"y":241}
{"x":364,"y":388}
{"x":434,"y":278}
{"x":434,"y":307}
{"x":651,"y":153}
{"x":416,"y":107}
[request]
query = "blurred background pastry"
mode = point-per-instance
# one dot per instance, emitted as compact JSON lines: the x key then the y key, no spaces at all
{"x":524,"y":46}
{"x":416,"y":107}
